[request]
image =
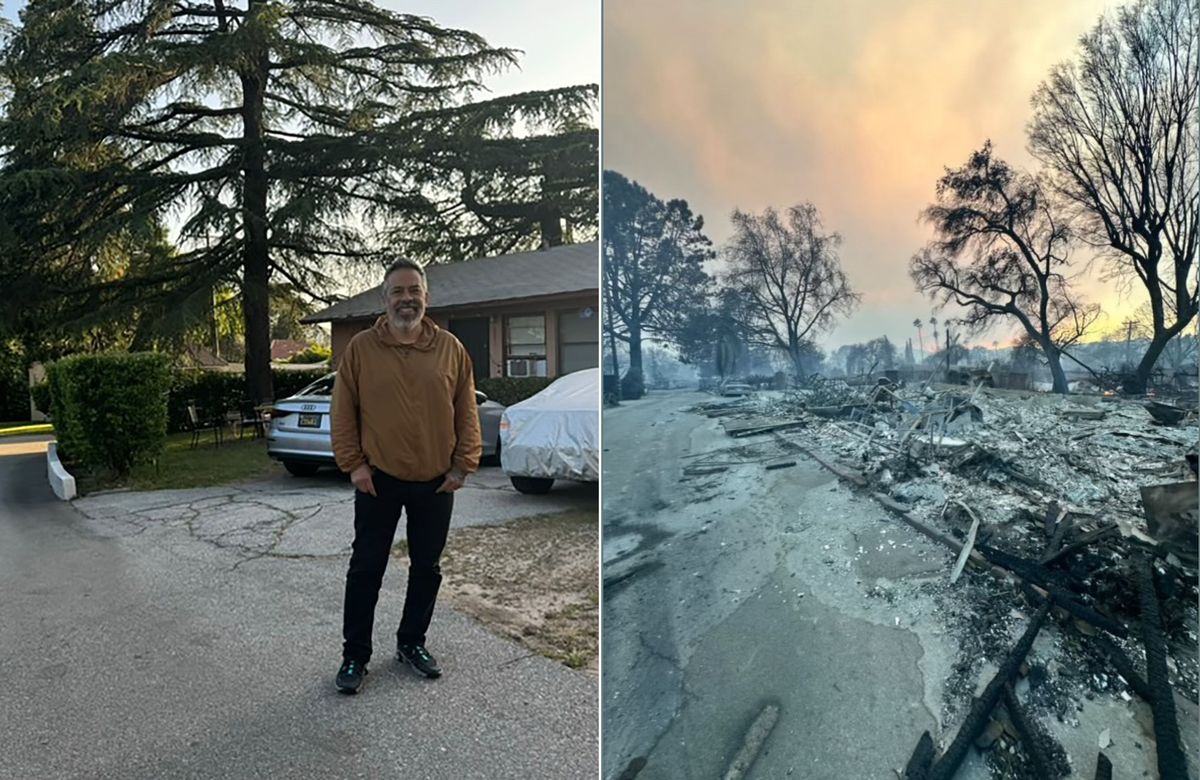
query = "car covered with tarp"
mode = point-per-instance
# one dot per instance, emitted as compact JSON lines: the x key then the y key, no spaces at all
{"x":554,"y":435}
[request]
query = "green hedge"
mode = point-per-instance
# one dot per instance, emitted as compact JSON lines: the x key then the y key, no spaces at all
{"x":110,"y":410}
{"x":510,"y":390}
{"x":218,"y":392}
{"x":291,"y":382}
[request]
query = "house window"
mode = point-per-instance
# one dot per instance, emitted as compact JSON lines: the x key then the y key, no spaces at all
{"x":525,"y":346}
{"x":578,"y":340}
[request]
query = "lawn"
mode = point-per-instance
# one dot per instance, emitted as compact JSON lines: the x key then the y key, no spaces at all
{"x":181,"y":466}
{"x":534,"y":580}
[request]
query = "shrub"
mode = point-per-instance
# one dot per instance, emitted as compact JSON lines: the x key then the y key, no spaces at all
{"x":213,"y":392}
{"x":509,"y":390}
{"x":110,"y":410}
{"x":314,"y":354}
{"x":52,"y":385}
{"x":290,"y":382}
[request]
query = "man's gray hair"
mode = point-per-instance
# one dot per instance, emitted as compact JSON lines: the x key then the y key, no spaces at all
{"x":404,"y":264}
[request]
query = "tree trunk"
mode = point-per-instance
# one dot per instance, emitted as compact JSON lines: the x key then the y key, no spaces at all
{"x":1054,"y":358}
{"x":255,"y":268}
{"x":612,"y":344}
{"x":797,"y":362}
{"x":1141,"y":377}
{"x":635,"y":347}
{"x":550,"y":225}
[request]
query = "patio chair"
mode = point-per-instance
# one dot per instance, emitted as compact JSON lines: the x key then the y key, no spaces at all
{"x":198,"y":425}
{"x":253,"y":418}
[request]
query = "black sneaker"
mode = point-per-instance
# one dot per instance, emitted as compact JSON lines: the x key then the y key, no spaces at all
{"x":350,"y":676}
{"x":419,"y":658}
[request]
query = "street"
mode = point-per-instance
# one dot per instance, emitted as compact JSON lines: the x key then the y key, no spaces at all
{"x":719,"y":602}
{"x":197,"y":633}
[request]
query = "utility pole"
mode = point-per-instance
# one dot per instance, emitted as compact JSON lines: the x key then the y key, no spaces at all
{"x":1128,"y":336}
{"x":216,"y":331}
{"x":947,"y":327}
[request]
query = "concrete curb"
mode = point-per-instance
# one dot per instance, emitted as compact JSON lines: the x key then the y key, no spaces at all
{"x":61,"y":480}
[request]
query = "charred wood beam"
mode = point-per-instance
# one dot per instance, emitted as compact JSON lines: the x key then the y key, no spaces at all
{"x":1172,"y":765}
{"x":981,"y":709}
{"x":1035,"y":574}
{"x":1060,"y":531}
{"x":1031,"y":738}
{"x":1083,"y":541}
{"x":919,"y":762}
{"x":1064,"y":600}
{"x":1124,"y":666}
{"x":1054,"y":517}
{"x":1028,"y":570}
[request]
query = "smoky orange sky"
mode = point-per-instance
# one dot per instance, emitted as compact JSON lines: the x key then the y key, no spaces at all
{"x":855,"y":105}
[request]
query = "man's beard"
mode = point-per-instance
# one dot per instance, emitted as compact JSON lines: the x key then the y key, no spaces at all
{"x":406,"y":319}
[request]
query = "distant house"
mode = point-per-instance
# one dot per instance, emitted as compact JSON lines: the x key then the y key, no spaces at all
{"x":528,"y":314}
{"x":203,"y":357}
{"x":282,"y":349}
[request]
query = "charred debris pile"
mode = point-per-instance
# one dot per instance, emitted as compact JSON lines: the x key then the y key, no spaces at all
{"x":1079,"y":510}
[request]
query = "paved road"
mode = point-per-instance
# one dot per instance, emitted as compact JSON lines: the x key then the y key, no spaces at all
{"x":195,"y":634}
{"x":731,"y":595}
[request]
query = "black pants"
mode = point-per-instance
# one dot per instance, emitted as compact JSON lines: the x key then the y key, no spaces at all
{"x":427,"y":521}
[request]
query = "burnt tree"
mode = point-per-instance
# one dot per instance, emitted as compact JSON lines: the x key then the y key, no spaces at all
{"x":1117,"y":130}
{"x":788,"y":275}
{"x":1001,"y":252}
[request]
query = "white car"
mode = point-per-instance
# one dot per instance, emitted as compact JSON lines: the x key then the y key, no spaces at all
{"x":554,"y":434}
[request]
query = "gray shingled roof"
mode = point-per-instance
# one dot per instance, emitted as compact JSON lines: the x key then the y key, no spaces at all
{"x":571,"y":268}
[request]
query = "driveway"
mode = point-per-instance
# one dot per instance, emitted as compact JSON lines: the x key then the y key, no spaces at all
{"x":312,"y":517}
{"x":196,"y":634}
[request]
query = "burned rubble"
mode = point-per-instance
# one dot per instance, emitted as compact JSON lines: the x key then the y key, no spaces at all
{"x":1082,"y":508}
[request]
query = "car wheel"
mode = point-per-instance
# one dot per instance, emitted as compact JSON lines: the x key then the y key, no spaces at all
{"x":532,"y":485}
{"x":298,"y":468}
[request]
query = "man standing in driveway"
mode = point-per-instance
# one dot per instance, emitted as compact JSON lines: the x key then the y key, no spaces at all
{"x":406,"y":428}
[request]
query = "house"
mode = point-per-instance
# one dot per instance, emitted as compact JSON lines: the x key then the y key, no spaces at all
{"x":282,"y":349}
{"x":520,"y":315}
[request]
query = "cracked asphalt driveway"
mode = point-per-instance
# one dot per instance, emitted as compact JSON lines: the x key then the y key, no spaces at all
{"x":196,"y":633}
{"x":301,"y":518}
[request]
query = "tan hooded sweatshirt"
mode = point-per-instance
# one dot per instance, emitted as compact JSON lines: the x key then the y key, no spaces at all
{"x":408,"y":410}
